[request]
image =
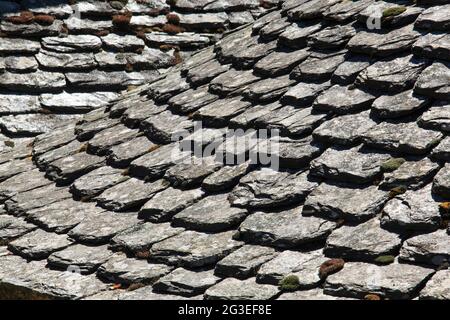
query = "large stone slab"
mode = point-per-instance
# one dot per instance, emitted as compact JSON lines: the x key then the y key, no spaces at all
{"x":431,"y":249}
{"x":234,"y":289}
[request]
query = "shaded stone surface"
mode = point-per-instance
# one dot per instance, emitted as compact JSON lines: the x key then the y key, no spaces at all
{"x":234,"y":289}
{"x":431,"y":249}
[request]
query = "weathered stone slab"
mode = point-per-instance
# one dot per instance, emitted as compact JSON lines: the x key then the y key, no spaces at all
{"x":431,"y":249}
{"x":394,"y":281}
{"x":433,"y":46}
{"x":225,"y":178}
{"x":341,"y":201}
{"x":66,"y":61}
{"x":194,"y":249}
{"x":434,"y":18}
{"x":441,"y":183}
{"x":304,"y":265}
{"x":185,"y":282}
{"x":123,"y":154}
{"x":28,"y":180}
{"x":442,"y":151}
{"x":280,"y":62}
{"x":141,"y":237}
{"x":357,"y":165}
{"x":414,"y":210}
{"x":12,"y":228}
{"x":286,"y":229}
{"x":303,"y":94}
{"x":437,"y":288}
{"x":434,"y":81}
{"x":362,"y":242}
{"x":333,"y":37}
{"x":129,"y":194}
{"x":437,"y":117}
{"x":123,"y":270}
{"x":38,"y":244}
{"x":398,"y":105}
{"x":39,"y":81}
{"x":72,"y":43}
{"x":76,"y":102}
{"x":268,"y":188}
{"x":319,"y":66}
{"x":343,"y":100}
{"x":17,"y":45}
{"x":234,"y":289}
{"x":244,"y":262}
{"x":211,"y":214}
{"x":347,"y":72}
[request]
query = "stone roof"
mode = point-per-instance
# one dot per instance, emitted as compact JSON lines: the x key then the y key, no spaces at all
{"x":351,"y":103}
{"x":60,"y":58}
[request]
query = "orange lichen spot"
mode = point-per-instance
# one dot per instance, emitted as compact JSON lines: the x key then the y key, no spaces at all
{"x":172,"y":29}
{"x":330,"y":266}
{"x":25,"y":17}
{"x":122,"y":20}
{"x":371,"y":296}
{"x":115,"y":286}
{"x":173,"y":18}
{"x":143,"y":254}
{"x":153,"y":148}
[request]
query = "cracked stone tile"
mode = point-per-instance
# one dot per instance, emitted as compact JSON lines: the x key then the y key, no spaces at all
{"x":279,"y":63}
{"x":217,"y":115}
{"x":344,"y":130}
{"x":38,"y":244}
{"x":344,"y":11}
{"x":249,"y":52}
{"x":398,"y":105}
{"x":211,"y":214}
{"x":25,"y":181}
{"x":123,"y":154}
{"x":234,"y":289}
{"x":84,"y":25}
{"x":20,"y":64}
{"x":38,"y":81}
{"x":343,"y":100}
{"x":232,"y":81}
{"x":394,"y":281}
{"x":342,"y":201}
{"x":296,"y":35}
{"x":304,"y":265}
{"x":310,"y":9}
{"x":402,"y":137}
{"x":185,"y":40}
{"x":244,"y":262}
{"x":23,"y":202}
{"x":99,"y":79}
{"x":87,"y":259}
{"x":122,"y":42}
{"x":66,"y":61}
{"x":191,"y":172}
{"x":431,"y":249}
{"x":193,"y":249}
{"x":123,"y":270}
{"x":356,"y":165}
{"x":319,"y":66}
{"x":288,"y":152}
{"x":15,"y":167}
{"x":411,"y":174}
{"x":34,"y":124}
{"x":18,"y":45}
{"x":43,"y":160}
{"x":129,"y":194}
{"x":52,"y":140}
{"x":434,"y":18}
{"x":437,"y":117}
{"x":140,"y":110}
{"x":12,"y":228}
{"x":414,"y":210}
{"x":101,"y":227}
{"x":274,"y":28}
{"x":286,"y":229}
{"x":72,"y":43}
{"x":384,"y":43}
{"x":303,"y":94}
{"x":191,"y":100}
{"x":269,"y":89}
{"x":267,"y":188}
{"x":33,"y":29}
{"x":76,"y":102}
{"x":393,"y":75}
{"x":109,"y":137}
{"x":347,"y":72}
{"x":292,"y":121}
{"x":41,"y":282}
{"x":442,"y":151}
{"x":153,"y":165}
{"x":380,"y":10}
{"x":433,"y":46}
{"x":141,"y":237}
{"x":366,"y":242}
{"x":313,"y":294}
{"x":165,"y":204}
{"x":96,"y":181}
{"x":437,"y":288}
{"x":206,"y":72}
{"x":333,"y":37}
{"x":61,"y":216}
{"x":16,"y":104}
{"x":226,"y":177}
{"x":434,"y":81}
{"x":66,"y":170}
{"x":156,"y":127}
{"x":185,"y":282}
{"x":441,"y":183}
